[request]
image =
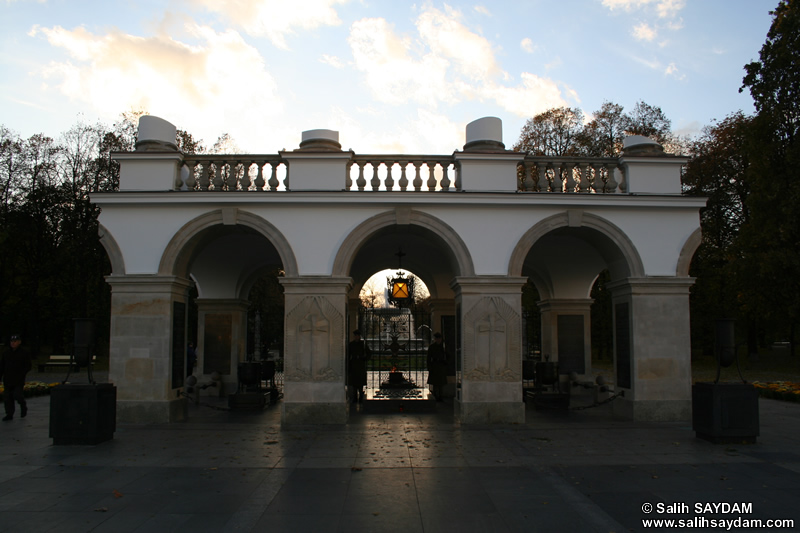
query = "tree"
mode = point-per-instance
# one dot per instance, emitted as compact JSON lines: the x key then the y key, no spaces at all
{"x":561,"y":131}
{"x":718,"y":170}
{"x":603,"y":136}
{"x":649,"y":121}
{"x":768,"y":248}
{"x":555,"y":132}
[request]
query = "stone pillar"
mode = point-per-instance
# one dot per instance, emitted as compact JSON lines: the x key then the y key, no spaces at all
{"x":491,"y":347}
{"x":148,"y":347}
{"x":652,"y":348}
{"x":567,"y":335}
{"x":315,"y":342}
{"x":221,"y":341}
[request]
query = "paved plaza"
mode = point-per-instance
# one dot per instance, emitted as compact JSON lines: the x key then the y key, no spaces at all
{"x":225,"y":470}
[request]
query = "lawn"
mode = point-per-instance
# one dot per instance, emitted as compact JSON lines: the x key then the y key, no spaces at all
{"x":774,"y":372}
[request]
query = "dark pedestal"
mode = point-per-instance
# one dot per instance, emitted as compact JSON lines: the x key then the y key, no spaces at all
{"x":83,"y":413}
{"x":725,"y":413}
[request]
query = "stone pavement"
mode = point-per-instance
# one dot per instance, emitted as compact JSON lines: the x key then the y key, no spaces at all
{"x":240,"y":471}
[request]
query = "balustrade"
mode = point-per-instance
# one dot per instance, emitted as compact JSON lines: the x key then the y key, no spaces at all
{"x":418,"y":173}
{"x":231,"y":173}
{"x":569,"y":174}
{"x":402,"y":173}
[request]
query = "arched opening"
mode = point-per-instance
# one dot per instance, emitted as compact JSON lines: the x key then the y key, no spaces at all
{"x":399,"y":335}
{"x":234,"y":304}
{"x":571,"y":264}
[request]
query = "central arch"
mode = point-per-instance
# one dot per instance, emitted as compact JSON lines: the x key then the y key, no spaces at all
{"x":452,"y":243}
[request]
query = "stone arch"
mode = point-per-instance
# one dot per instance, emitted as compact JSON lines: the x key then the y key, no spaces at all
{"x":353,"y":242}
{"x":113,"y":251}
{"x":687,"y":253}
{"x":177,"y":254}
{"x":577,"y":219}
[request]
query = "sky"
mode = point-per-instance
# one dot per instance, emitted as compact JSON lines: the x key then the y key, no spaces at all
{"x":389,"y":76}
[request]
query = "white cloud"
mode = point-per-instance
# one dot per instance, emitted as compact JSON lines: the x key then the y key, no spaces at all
{"x":390,"y":71}
{"x":670,"y":8}
{"x":276,"y":19}
{"x":446,"y":63}
{"x":664,"y":8}
{"x":333,"y":61}
{"x":444,"y":34}
{"x":483,"y":11}
{"x":644,"y":32}
{"x":672,"y":70}
{"x":535,"y":95}
{"x":527,"y":45}
{"x":189,"y":85}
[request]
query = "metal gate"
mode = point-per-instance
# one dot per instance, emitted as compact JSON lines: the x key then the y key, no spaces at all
{"x":399,"y":340}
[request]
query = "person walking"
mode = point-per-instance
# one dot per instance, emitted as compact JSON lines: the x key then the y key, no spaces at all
{"x":437,"y":366}
{"x":14,"y":365}
{"x":358,"y":355}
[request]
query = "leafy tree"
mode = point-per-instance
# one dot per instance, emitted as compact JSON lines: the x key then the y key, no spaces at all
{"x":555,"y":132}
{"x":561,"y":131}
{"x":769,"y":244}
{"x":603,"y":136}
{"x":649,"y":121}
{"x":718,"y":170}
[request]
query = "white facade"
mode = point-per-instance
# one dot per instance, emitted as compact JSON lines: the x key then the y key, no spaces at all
{"x":474,"y":244}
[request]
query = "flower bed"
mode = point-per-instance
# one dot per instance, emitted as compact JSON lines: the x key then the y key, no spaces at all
{"x":33,"y":388}
{"x":779,"y":390}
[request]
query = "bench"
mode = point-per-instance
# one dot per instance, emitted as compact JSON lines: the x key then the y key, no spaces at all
{"x":59,"y":361}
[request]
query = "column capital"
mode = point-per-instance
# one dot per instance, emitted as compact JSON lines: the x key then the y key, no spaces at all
{"x":316,"y":284}
{"x":463,"y":285}
{"x":564,"y":304}
{"x":146,"y":283}
{"x":222,"y":304}
{"x":651,"y":285}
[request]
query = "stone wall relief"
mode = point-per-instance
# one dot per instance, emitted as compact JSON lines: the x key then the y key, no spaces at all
{"x":491,"y":341}
{"x":314,"y":340}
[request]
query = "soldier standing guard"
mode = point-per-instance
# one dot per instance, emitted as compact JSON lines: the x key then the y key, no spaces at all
{"x":358,"y":355}
{"x":437,"y":366}
{"x":14,"y":365}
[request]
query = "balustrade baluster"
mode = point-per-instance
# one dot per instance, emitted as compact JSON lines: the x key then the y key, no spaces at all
{"x":431,"y":176}
{"x":204,"y":177}
{"x":527,"y":178}
{"x":246,"y":181}
{"x":233,"y":175}
{"x":543,"y":183}
{"x":597,"y":180}
{"x":217,"y":180}
{"x":273,"y":176}
{"x":583,"y":175}
{"x":569,"y":171}
{"x":389,"y":180}
{"x":417,"y":177}
{"x":259,"y":183}
{"x":191,"y":180}
{"x":610,"y":185}
{"x":623,"y":179}
{"x":361,"y":181}
{"x":457,"y":171}
{"x":403,"y":179}
{"x":348,"y":181}
{"x":445,"y":178}
{"x":375,"y":181}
